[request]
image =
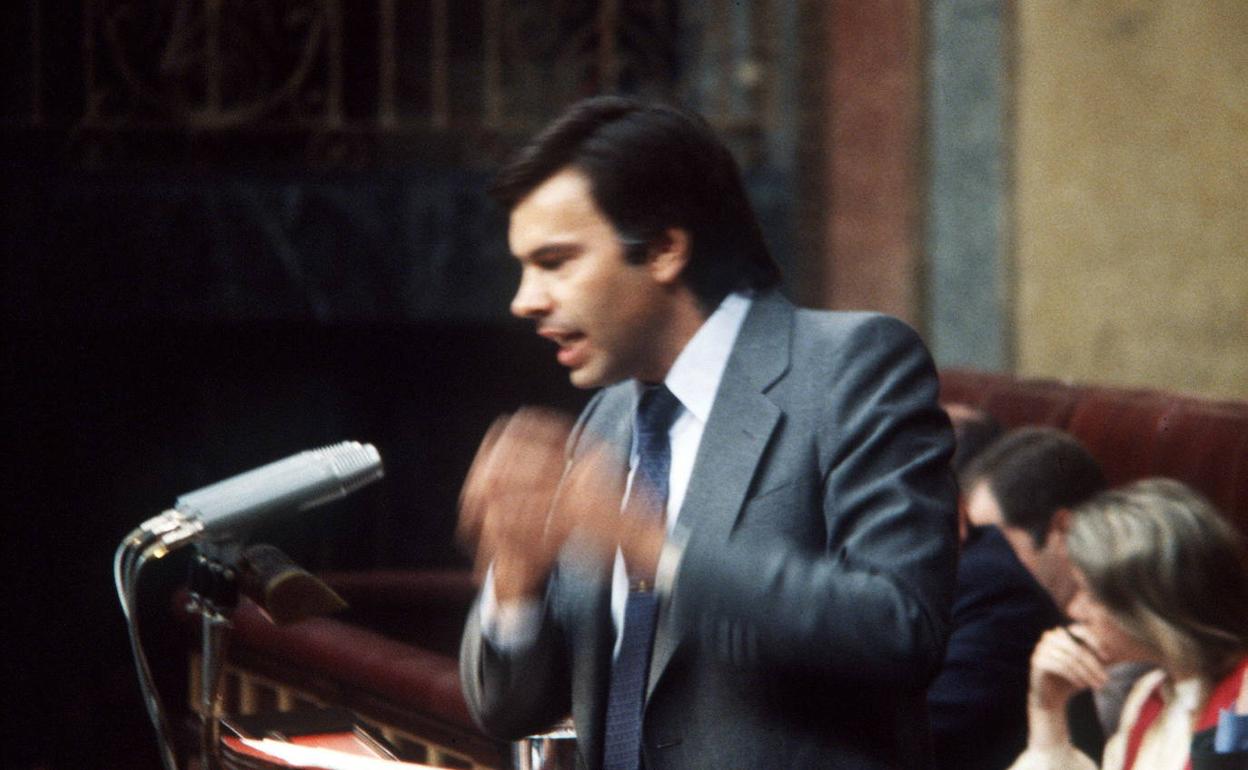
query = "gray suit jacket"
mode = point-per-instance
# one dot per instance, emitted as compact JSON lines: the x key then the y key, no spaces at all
{"x":811,"y":605}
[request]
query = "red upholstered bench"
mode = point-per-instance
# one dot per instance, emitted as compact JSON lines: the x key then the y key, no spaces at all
{"x":1134,"y":433}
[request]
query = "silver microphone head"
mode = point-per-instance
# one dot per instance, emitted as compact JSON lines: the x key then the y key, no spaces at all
{"x":298,"y":482}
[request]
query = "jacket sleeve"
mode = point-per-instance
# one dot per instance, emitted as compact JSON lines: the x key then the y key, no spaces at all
{"x":868,"y":599}
{"x":519,"y":693}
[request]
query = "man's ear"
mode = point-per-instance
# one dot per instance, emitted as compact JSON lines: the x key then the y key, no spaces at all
{"x":668,"y":254}
{"x":1060,"y":522}
{"x":1059,"y":525}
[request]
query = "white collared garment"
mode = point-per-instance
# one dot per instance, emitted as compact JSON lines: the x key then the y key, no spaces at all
{"x":694,"y":379}
{"x":1166,"y":744}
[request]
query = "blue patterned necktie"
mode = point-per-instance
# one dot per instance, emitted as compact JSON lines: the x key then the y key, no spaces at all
{"x":622,"y":744}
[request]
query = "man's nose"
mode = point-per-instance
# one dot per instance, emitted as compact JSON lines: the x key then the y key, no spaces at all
{"x":531,"y":300}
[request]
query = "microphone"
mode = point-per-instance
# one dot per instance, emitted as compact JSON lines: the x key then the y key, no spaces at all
{"x":297,"y":482}
{"x":213,"y":512}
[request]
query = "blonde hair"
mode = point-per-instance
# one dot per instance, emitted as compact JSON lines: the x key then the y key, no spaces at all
{"x":1170,"y":569}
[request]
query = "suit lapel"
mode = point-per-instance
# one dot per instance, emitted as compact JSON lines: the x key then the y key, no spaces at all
{"x":736,"y":435}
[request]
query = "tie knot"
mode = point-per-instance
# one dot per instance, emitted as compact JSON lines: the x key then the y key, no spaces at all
{"x":656,"y":410}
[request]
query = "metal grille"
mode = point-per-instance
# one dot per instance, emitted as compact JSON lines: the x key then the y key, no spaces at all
{"x":345,"y":83}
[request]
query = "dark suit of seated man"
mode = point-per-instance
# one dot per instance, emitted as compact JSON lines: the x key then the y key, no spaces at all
{"x":776,"y":590}
{"x":979,"y":700}
{"x":1025,"y":483}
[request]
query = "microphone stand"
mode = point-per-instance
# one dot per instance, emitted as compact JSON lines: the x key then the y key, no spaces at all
{"x":300,"y":481}
{"x":214,"y":596}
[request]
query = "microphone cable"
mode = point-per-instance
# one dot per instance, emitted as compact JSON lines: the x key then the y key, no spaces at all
{"x":151,"y":540}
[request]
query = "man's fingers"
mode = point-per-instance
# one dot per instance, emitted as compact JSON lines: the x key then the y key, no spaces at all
{"x":509,"y":487}
{"x":589,"y":499}
{"x":474,"y":495}
{"x":530,"y":450}
{"x":541,"y":423}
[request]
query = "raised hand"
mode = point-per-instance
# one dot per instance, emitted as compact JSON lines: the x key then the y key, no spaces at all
{"x":588,"y":511}
{"x":522,"y":503}
{"x":506,"y":502}
{"x":1065,"y":661}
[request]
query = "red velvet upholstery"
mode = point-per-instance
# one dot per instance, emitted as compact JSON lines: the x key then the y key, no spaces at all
{"x":1207,"y":446}
{"x":424,"y":607}
{"x":376,"y":664}
{"x":1133,"y":432}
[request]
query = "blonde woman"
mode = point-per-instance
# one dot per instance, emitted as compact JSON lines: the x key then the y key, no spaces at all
{"x":1160,"y":578}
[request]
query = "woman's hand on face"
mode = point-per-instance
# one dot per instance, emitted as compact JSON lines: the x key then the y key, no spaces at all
{"x":1065,"y":661}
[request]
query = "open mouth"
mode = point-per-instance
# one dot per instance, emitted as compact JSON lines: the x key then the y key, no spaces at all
{"x":573,"y":349}
{"x":573,"y":346}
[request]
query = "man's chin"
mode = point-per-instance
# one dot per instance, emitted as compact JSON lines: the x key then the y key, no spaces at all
{"x":582,"y":381}
{"x":589,"y":377}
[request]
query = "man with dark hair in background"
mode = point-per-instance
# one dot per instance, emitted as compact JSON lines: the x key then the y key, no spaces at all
{"x":978,"y":700}
{"x":1025,"y":485}
{"x":742,"y":553}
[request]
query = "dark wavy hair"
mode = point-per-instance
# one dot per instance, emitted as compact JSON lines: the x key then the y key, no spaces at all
{"x":652,"y":167}
{"x":1033,"y":472}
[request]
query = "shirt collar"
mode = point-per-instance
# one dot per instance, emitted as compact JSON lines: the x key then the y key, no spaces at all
{"x":695,"y":375}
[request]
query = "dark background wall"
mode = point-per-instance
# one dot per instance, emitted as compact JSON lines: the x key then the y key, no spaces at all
{"x":162,"y":335}
{"x":233,"y":235}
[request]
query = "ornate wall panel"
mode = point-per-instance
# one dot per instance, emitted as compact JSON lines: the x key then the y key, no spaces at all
{"x":320,"y":82}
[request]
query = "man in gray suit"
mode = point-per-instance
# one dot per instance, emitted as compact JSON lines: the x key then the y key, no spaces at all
{"x":765,"y":584}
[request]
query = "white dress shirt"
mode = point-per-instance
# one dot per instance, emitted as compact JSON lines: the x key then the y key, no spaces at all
{"x":694,"y":379}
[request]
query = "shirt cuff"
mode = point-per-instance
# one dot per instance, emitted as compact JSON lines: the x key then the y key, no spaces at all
{"x":508,"y":626}
{"x":1232,"y":732}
